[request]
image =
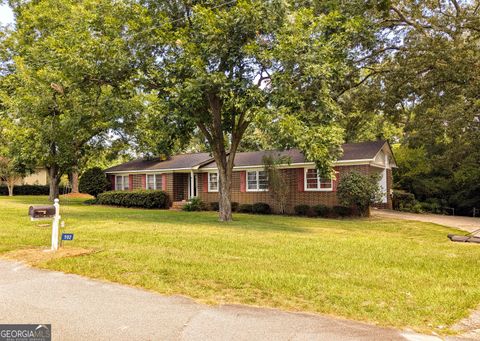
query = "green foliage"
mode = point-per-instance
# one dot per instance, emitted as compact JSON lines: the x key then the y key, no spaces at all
{"x":359,"y":191}
{"x":67,"y":80}
{"x":301,"y":210}
{"x":321,"y":210}
{"x":195,"y":204}
{"x":245,"y":208}
{"x":143,"y":199}
{"x":261,"y":208}
{"x":225,"y":67}
{"x":94,"y":181}
{"x":214,"y":206}
{"x":28,"y":190}
{"x":278,"y":187}
{"x":342,"y":211}
{"x":402,"y":199}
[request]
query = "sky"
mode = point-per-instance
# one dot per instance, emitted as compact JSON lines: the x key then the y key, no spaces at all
{"x":6,"y":15}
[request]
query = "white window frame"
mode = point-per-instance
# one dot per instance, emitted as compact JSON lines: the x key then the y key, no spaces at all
{"x":257,"y":177}
{"x":318,"y":189}
{"x":155,"y":178}
{"x":209,"y":183}
{"x":154,"y":182}
{"x":123,"y":177}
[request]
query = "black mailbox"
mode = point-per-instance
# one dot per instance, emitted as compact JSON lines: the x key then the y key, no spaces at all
{"x":41,"y":212}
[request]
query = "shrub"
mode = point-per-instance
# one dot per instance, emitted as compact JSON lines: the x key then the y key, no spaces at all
{"x":261,"y":208}
{"x":195,"y":204}
{"x":403,"y":199}
{"x":93,"y":181}
{"x":342,"y":211}
{"x":235,"y":206}
{"x":301,"y":209}
{"x":214,"y":206}
{"x":141,"y":198}
{"x":359,"y":191}
{"x":431,"y":207}
{"x":321,"y":210}
{"x":245,"y":208}
{"x":29,"y":190}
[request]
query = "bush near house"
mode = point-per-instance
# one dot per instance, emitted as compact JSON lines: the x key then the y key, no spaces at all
{"x":261,"y":208}
{"x":141,"y":198}
{"x":245,"y":208}
{"x":301,"y":210}
{"x":195,"y":204}
{"x":321,"y":210}
{"x":359,"y":191}
{"x":93,"y":181}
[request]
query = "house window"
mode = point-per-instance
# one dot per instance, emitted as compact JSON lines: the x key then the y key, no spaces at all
{"x":257,"y":181}
{"x":159,"y":182}
{"x":121,"y":183}
{"x":154,"y":181}
{"x":213,"y":182}
{"x":150,"y":181}
{"x":313,"y":181}
{"x":137,"y":181}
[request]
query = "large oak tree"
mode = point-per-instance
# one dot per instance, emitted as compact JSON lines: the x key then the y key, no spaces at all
{"x":66,"y":77}
{"x":217,"y":67}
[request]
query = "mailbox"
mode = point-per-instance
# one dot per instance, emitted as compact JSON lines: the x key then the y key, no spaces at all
{"x":41,"y":212}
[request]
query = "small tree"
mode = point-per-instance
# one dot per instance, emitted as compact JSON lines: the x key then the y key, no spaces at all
{"x":277,"y":183}
{"x":93,"y":182}
{"x":360,"y":191}
{"x":10,"y":173}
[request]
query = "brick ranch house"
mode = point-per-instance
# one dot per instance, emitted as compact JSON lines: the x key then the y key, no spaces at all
{"x":195,"y":175}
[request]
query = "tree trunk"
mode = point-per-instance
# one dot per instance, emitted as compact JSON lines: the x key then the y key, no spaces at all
{"x":74,"y":181}
{"x":54,"y":178}
{"x":225,"y":201}
{"x":10,"y":186}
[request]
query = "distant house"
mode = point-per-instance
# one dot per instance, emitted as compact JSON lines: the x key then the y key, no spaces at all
{"x":196,"y":175}
{"x":38,"y":177}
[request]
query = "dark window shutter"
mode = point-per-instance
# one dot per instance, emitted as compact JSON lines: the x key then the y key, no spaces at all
{"x":243,"y":181}
{"x":301,"y":179}
{"x":205,"y":182}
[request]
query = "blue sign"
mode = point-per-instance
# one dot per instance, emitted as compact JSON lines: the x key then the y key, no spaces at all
{"x":67,"y":236}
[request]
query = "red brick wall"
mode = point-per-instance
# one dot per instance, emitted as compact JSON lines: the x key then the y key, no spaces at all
{"x":296,"y":197}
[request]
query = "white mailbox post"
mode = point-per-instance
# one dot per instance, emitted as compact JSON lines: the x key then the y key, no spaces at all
{"x":55,"y":225}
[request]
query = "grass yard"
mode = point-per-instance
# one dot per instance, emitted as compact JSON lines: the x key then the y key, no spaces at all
{"x":395,"y":273}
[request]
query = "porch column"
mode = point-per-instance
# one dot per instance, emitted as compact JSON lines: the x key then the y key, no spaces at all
{"x":192,"y":184}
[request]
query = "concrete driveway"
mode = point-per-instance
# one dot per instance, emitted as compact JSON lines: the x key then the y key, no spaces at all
{"x":83,"y":309}
{"x":468,"y":224}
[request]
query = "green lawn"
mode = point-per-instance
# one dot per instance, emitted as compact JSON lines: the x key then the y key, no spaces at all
{"x":397,"y":273}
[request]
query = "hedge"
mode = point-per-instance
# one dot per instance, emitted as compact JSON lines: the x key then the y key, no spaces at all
{"x":140,"y":198}
{"x":403,"y":200}
{"x":215,"y":206}
{"x":301,"y":209}
{"x":29,"y":190}
{"x":261,"y":208}
{"x":245,"y":208}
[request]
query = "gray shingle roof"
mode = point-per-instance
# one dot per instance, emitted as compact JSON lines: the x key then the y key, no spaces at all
{"x":351,"y":151}
{"x":180,"y":161}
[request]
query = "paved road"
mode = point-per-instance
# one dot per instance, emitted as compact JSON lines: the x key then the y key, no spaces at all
{"x":468,"y":224}
{"x":83,"y":309}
